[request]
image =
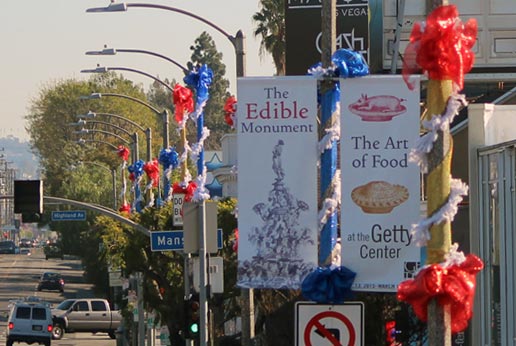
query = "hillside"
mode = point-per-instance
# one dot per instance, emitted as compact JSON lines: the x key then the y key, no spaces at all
{"x":17,"y":155}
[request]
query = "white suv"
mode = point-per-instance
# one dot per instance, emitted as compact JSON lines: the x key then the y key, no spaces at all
{"x":30,"y":321}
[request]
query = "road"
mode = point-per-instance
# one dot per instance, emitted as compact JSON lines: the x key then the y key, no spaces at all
{"x":19,"y":275}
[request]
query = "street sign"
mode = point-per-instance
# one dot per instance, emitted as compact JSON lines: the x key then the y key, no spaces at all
{"x":178,"y":199}
{"x":329,"y":325}
{"x":174,"y":240}
{"x":192,"y":225}
{"x":69,"y":215}
{"x":215,"y":271}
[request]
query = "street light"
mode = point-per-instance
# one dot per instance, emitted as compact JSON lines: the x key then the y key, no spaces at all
{"x":101,"y":69}
{"x":134,"y":136}
{"x":163,"y":114}
{"x":114,"y":51}
{"x":83,"y":141}
{"x":147,"y":132}
{"x":238,"y":41}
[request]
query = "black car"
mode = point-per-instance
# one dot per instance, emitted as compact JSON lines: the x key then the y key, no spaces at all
{"x":7,"y":246}
{"x":24,"y":242}
{"x":51,"y":281}
{"x":53,"y":251}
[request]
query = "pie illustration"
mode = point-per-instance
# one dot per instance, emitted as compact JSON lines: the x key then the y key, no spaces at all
{"x":379,"y":197}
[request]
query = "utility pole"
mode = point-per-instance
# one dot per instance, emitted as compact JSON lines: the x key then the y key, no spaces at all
{"x":330,"y":97}
{"x":438,"y":190}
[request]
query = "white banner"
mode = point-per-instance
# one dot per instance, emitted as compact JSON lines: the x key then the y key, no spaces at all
{"x":277,"y":181}
{"x":380,"y":186}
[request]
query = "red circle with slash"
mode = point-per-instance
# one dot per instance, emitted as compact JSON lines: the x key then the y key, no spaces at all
{"x":315,"y":322}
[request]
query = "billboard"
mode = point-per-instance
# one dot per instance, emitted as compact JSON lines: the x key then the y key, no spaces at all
{"x":303,"y":31}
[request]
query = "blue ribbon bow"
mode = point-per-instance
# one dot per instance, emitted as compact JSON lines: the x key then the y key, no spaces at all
{"x":328,"y":285}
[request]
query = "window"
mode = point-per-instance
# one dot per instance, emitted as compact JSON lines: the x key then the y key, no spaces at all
{"x":81,"y":306}
{"x":39,"y":314}
{"x":23,"y":312}
{"x":98,"y":305}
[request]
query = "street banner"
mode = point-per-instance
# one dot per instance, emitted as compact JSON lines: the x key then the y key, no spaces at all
{"x":277,"y":181}
{"x":380,"y":185}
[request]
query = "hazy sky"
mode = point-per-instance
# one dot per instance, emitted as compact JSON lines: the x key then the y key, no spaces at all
{"x":44,"y":41}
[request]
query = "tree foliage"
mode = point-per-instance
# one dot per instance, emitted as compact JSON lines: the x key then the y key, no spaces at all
{"x":270,"y":26}
{"x":205,"y":52}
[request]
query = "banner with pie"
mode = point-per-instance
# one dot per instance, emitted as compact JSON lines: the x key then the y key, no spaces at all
{"x":277,"y":181}
{"x":380,"y":186}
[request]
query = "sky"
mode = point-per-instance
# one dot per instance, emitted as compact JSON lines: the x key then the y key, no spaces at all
{"x":44,"y":41}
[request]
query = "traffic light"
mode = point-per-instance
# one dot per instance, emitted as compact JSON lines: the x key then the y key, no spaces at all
{"x":402,"y":325}
{"x":192,"y":325}
{"x":31,"y":217}
{"x":28,"y":196}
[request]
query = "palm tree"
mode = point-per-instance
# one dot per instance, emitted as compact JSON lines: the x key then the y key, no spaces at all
{"x":271,"y":27}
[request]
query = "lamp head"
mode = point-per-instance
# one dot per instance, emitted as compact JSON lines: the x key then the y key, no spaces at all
{"x":92,"y":96}
{"x":105,"y":51}
{"x":112,"y":7}
{"x":98,"y":69}
{"x":89,"y":115}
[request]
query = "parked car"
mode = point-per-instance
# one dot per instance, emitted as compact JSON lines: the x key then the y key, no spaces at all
{"x":53,"y":251}
{"x":25,"y":242}
{"x":7,"y":246}
{"x":30,"y":321}
{"x":85,"y":315}
{"x":51,"y":281}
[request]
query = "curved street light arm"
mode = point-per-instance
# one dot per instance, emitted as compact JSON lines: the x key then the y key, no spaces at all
{"x":113,"y":51}
{"x":82,"y":141}
{"x":91,"y":115}
{"x":99,"y":95}
{"x":107,"y":133}
{"x":105,"y":69}
{"x":238,"y":41}
{"x":107,"y":124}
{"x":107,"y":168}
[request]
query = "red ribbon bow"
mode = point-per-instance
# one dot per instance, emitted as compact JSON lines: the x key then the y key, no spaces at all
{"x":151,"y":168}
{"x":188,"y":190}
{"x":441,"y":47}
{"x":454,"y":285}
{"x":125,"y":208}
{"x":123,"y":152}
{"x":230,"y":109}
{"x":183,"y":101}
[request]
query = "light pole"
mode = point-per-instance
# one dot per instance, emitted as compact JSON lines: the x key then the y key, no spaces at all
{"x":147,"y":132}
{"x":238,"y":41}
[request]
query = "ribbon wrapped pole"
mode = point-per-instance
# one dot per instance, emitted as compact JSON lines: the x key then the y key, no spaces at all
{"x":444,"y":289}
{"x":169,"y":159}
{"x":200,"y":79}
{"x":136,"y":173}
{"x":123,"y":153}
{"x":183,"y":102}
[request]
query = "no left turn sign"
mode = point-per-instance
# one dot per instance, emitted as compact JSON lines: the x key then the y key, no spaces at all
{"x":329,"y":325}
